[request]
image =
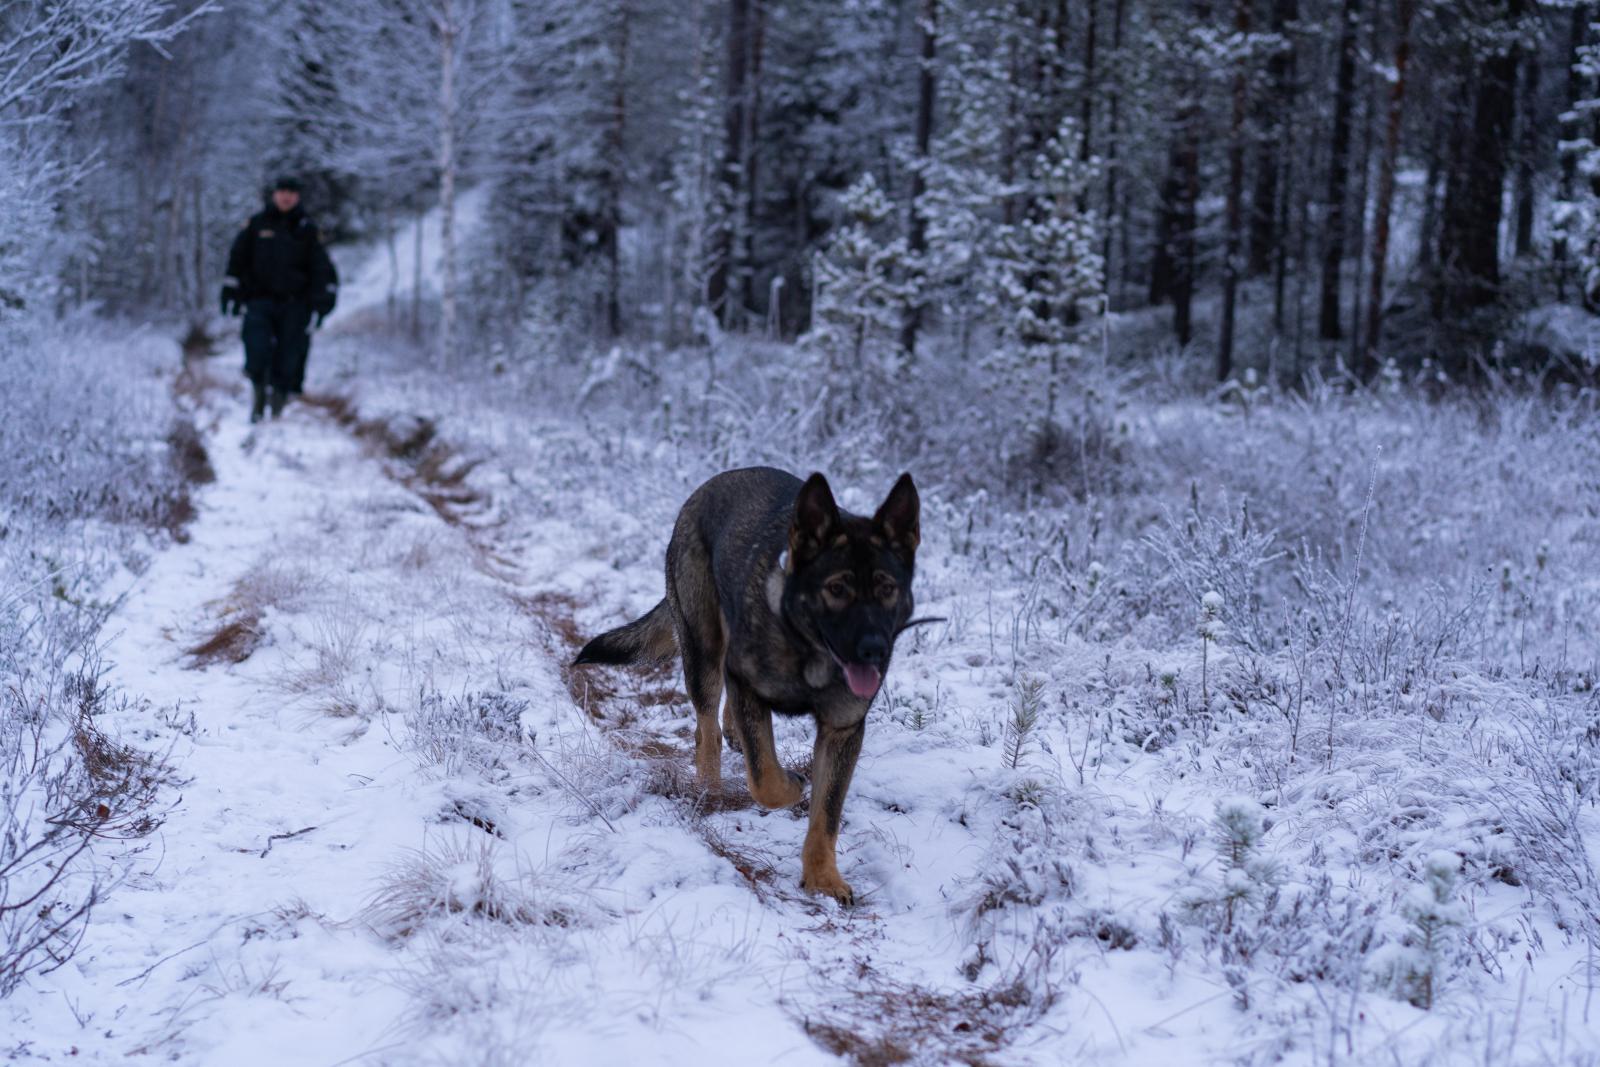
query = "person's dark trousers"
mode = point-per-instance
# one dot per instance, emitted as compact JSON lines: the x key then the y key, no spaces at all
{"x":277,"y":337}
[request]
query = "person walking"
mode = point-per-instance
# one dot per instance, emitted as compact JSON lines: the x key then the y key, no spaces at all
{"x":279,"y":276}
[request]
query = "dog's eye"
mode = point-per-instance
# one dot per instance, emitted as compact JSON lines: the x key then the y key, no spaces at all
{"x":837,"y":590}
{"x":887,"y":591}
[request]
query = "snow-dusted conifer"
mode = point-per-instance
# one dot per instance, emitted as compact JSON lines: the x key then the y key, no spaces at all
{"x":1434,"y":914}
{"x":1048,"y":274}
{"x":861,"y":288}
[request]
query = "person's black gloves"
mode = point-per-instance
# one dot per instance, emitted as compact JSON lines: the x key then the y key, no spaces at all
{"x":231,"y":305}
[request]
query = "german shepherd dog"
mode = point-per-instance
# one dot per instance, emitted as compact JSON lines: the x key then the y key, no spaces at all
{"x":794,"y":607}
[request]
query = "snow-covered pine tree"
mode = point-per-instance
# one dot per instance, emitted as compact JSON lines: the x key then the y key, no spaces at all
{"x":860,"y":290}
{"x":699,"y":202}
{"x":1573,"y":210}
{"x":965,"y":189}
{"x":309,"y":124}
{"x":1048,"y":280}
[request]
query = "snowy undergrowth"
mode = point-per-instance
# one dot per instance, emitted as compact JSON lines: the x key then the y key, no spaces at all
{"x":1369,"y":618}
{"x":100,"y":463}
{"x":1230,"y":748}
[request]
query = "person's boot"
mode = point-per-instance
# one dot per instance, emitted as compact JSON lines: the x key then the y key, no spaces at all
{"x":279,"y":398}
{"x":258,"y":401}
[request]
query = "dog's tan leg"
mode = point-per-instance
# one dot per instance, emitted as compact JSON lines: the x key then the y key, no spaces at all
{"x":702,"y":676}
{"x":832,"y":764}
{"x":770,"y":784}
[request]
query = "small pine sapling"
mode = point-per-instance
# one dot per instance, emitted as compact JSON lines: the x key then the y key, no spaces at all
{"x":1241,"y":824}
{"x":1024,"y":717}
{"x":1434,"y":914}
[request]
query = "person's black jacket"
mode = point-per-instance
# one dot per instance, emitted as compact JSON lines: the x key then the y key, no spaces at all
{"x":278,"y":255}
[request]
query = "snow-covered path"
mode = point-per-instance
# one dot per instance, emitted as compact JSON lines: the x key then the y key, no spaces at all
{"x":219,"y":936}
{"x":270,"y":921}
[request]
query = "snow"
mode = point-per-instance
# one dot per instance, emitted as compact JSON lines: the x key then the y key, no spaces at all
{"x":402,"y":838}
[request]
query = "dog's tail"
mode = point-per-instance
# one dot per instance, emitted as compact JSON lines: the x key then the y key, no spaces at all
{"x":648,"y":639}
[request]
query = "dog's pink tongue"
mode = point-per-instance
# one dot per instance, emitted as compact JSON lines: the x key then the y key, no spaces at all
{"x":862,"y":679}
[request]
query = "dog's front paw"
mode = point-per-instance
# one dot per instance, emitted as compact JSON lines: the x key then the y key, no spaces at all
{"x":782,"y":789}
{"x":829,"y":884}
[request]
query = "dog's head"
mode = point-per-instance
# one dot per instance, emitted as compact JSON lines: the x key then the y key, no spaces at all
{"x":848,"y":579}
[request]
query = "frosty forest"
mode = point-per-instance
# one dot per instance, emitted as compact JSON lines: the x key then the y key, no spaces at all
{"x":1244,"y":354}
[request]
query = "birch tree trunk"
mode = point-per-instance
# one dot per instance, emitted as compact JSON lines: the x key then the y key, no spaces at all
{"x":445,"y":19}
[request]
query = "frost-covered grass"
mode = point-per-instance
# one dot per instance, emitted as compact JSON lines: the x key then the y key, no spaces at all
{"x":98,"y":468}
{"x":1287,"y":695}
{"x":1260,"y":726}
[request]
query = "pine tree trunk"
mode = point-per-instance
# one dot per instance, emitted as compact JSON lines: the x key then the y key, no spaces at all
{"x":1338,"y":172}
{"x":718,"y":286}
{"x":1086,"y":92}
{"x":200,"y":282}
{"x":917,"y":223}
{"x":1428,"y":229}
{"x":1469,"y":236}
{"x":416,"y":280}
{"x":1359,"y":215}
{"x":1115,"y":218}
{"x":751,"y":141}
{"x":1185,"y":222}
{"x":1528,"y":152}
{"x":394,"y":262}
{"x":1172,"y":272}
{"x":616,"y":172}
{"x":1578,"y":30}
{"x":1008,"y":132}
{"x":1286,"y":153}
{"x":1271,"y":119}
{"x":1405,"y":13}
{"x":1235,"y":209}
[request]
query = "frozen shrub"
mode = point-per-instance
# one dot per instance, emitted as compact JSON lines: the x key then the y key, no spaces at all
{"x":473,"y":730}
{"x":63,"y":785}
{"x":454,"y":878}
{"x":1207,"y":556}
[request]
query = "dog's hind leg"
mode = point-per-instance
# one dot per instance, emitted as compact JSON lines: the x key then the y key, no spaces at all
{"x":702,"y":677}
{"x":832,"y":765}
{"x":697,"y":619}
{"x":770,"y":784}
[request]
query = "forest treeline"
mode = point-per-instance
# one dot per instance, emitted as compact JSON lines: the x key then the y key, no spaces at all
{"x":1345,"y":182}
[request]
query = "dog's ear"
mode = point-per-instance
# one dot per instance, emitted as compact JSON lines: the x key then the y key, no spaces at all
{"x":899,"y":519}
{"x":816,"y":517}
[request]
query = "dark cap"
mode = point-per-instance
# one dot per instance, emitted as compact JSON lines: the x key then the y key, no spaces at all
{"x":289,"y":182}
